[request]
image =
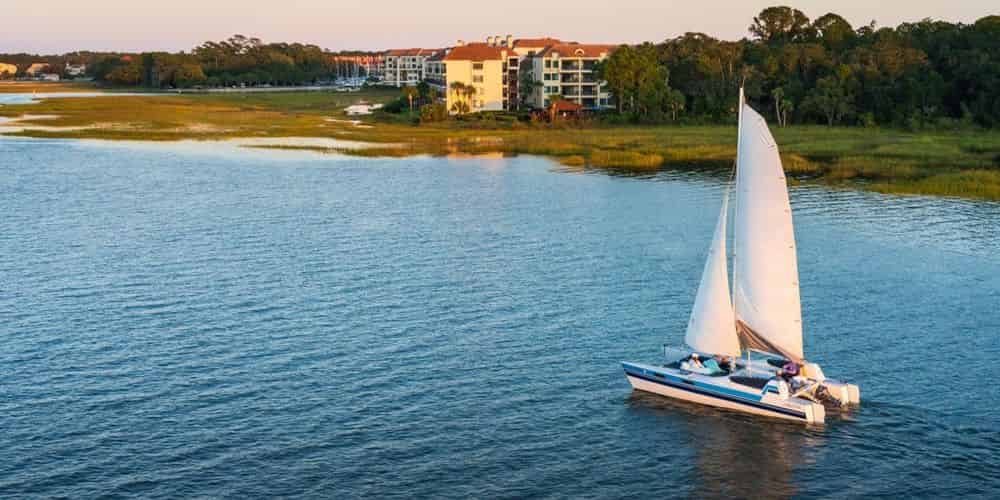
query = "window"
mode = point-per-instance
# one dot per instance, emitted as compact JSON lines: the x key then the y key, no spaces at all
{"x":477,"y":78}
{"x":477,"y":66}
{"x":548,"y":63}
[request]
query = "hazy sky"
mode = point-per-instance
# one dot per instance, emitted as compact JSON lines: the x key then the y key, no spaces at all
{"x":51,"y":26}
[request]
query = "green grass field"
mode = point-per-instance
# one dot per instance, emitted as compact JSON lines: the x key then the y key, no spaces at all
{"x":964,"y":164}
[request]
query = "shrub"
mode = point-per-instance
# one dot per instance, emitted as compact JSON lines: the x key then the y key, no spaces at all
{"x":396,"y":105}
{"x":436,"y":112}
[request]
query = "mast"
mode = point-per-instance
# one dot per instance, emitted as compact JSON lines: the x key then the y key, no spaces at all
{"x":736,"y":173}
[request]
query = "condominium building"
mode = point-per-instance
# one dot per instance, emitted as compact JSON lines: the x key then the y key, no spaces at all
{"x":567,"y":69}
{"x":519,"y":65}
{"x":480,"y":67}
{"x":546,"y":67}
{"x":492,"y":76}
{"x":364,"y":64}
{"x":434,"y":71}
{"x":404,"y":67}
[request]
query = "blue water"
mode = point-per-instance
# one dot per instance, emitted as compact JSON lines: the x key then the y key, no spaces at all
{"x":186,"y":320}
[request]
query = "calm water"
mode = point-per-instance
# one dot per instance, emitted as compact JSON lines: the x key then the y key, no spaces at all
{"x":197,"y":320}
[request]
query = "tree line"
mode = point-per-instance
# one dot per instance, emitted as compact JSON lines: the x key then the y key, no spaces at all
{"x":922,"y":74}
{"x":238,"y":60}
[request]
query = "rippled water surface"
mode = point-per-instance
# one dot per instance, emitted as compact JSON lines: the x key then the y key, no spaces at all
{"x":185,"y":320}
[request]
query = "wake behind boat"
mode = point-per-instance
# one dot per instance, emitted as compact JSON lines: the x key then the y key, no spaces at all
{"x":761,"y":313}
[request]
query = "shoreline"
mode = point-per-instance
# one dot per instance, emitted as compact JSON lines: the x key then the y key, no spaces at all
{"x":964,"y":164}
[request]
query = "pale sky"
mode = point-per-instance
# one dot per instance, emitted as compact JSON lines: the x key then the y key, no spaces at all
{"x":56,"y":26}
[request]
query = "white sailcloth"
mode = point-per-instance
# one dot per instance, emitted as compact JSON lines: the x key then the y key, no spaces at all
{"x":712,"y":327}
{"x":766,"y":275}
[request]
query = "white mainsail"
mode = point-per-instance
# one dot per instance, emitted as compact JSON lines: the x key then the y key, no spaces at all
{"x":712,"y":327}
{"x":765,"y":268}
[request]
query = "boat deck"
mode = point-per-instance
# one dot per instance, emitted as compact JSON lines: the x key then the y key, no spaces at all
{"x":738,"y":391}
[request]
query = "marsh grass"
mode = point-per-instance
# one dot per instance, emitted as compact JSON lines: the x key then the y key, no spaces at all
{"x":965,"y":164}
{"x":14,"y":87}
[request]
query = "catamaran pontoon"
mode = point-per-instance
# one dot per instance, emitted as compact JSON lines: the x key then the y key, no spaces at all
{"x":762,"y":312}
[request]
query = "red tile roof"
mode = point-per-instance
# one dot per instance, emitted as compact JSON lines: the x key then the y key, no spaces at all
{"x":537,"y":42}
{"x":411,"y":52}
{"x":475,"y":52}
{"x":565,"y":106}
{"x":578,"y":50}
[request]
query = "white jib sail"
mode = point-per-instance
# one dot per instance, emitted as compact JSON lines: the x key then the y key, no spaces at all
{"x":766,"y":275}
{"x":712,"y":328}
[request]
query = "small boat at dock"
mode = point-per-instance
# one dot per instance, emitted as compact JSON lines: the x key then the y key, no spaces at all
{"x":761,"y":313}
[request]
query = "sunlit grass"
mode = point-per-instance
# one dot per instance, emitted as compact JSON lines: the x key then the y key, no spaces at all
{"x":21,"y":87}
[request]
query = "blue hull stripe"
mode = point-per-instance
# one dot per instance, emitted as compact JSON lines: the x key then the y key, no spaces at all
{"x":703,"y":392}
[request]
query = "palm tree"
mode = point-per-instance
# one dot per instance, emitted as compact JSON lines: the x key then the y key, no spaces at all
{"x":410,"y":93}
{"x":779,"y":98}
{"x":470,"y":93}
{"x":553,"y":99}
{"x":460,"y":107}
{"x":463,"y":93}
{"x":459,"y":89}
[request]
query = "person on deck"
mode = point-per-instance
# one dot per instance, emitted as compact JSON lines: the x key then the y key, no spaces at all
{"x":725,"y":363}
{"x":695,"y":362}
{"x":712,"y":366}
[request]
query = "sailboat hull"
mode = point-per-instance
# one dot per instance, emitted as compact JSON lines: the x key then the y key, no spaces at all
{"x":718,"y":392}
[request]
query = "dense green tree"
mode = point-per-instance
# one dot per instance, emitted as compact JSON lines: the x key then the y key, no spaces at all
{"x":831,"y":98}
{"x":424,"y":91}
{"x":640,"y":82}
{"x":782,"y":24}
{"x":125,"y":74}
{"x":834,"y":31}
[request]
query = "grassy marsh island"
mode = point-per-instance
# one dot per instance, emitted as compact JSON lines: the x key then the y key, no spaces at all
{"x":948,"y":163}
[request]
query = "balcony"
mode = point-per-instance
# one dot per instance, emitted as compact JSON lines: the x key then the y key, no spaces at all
{"x":571,"y":66}
{"x":571,"y":78}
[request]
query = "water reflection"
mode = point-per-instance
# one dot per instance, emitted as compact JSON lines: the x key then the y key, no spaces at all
{"x":956,"y":225}
{"x":735,"y":455}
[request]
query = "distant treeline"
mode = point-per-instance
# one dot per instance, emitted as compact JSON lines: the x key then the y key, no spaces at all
{"x":797,"y":70}
{"x":238,"y":60}
{"x":924,"y":74}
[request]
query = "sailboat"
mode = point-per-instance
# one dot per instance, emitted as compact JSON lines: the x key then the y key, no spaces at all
{"x":760,"y":314}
